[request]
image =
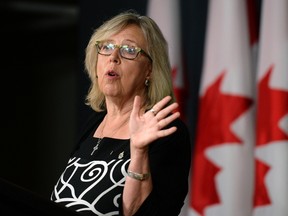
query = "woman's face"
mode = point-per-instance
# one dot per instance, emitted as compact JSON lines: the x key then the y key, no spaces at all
{"x":120,"y":77}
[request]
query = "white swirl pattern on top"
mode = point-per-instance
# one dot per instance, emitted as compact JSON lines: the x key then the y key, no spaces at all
{"x":90,"y":174}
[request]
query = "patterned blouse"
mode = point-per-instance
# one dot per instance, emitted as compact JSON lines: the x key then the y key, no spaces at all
{"x":93,"y":180}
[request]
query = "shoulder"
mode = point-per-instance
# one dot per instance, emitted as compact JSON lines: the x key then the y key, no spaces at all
{"x":90,"y":124}
{"x":181,"y":137}
{"x":93,"y":119}
{"x":181,"y":126}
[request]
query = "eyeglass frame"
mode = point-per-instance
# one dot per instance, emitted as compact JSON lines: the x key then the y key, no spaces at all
{"x":138,"y":50}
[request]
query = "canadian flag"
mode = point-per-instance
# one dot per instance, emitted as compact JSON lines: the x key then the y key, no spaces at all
{"x":271,"y":151}
{"x":166,"y":14}
{"x":223,"y":159}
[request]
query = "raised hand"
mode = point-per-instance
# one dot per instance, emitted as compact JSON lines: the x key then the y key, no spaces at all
{"x":146,"y":127}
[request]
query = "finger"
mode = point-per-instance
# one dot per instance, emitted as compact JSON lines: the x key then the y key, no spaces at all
{"x":158,"y":106}
{"x":166,"y":132}
{"x":166,"y":121}
{"x":154,"y":112}
{"x":167,"y":110}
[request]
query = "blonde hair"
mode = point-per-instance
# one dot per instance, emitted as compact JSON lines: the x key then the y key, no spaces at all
{"x":160,"y":81}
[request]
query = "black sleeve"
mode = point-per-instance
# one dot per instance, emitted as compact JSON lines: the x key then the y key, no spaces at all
{"x":170,"y":160}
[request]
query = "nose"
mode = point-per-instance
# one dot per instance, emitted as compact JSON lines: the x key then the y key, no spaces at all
{"x":115,"y":56}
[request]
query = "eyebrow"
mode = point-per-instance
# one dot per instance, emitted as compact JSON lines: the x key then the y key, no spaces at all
{"x":123,"y":42}
{"x":129,"y":40}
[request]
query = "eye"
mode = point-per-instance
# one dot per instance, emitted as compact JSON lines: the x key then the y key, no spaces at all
{"x":129,"y":49}
{"x":107,"y":47}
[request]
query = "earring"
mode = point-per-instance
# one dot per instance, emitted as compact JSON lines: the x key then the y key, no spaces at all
{"x":147,"y":82}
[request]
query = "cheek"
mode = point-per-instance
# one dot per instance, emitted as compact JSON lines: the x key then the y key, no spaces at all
{"x":99,"y":66}
{"x":101,"y":62}
{"x":138,"y":75}
{"x":147,"y":69}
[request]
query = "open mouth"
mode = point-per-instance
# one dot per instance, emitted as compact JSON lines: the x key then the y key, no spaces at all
{"x":112,"y":74}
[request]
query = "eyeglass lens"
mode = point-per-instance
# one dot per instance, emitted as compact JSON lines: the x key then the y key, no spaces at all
{"x":126,"y":51}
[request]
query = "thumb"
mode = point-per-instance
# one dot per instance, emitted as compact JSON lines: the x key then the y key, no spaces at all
{"x":136,"y":107}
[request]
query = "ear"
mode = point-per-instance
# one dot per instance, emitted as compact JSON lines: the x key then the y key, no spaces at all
{"x":148,"y":74}
{"x":149,"y":71}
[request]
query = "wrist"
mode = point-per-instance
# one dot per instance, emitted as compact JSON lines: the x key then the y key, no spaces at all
{"x":138,"y":176}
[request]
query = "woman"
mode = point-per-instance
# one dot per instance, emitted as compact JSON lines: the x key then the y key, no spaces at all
{"x":134,"y":155}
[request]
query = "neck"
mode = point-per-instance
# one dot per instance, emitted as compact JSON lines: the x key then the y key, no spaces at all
{"x":115,"y":126}
{"x":118,"y":110}
{"x":119,"y":106}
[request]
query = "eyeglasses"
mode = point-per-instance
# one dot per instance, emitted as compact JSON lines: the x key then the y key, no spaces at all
{"x":126,"y":51}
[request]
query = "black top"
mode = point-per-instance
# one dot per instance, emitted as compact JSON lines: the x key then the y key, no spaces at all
{"x":92,"y":184}
{"x":16,"y":200}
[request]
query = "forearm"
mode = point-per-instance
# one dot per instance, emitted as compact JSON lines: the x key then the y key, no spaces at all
{"x":136,"y":191}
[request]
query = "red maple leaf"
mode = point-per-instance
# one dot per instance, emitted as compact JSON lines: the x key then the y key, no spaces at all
{"x":262,"y":196}
{"x":217,"y":111}
{"x":272,"y":106}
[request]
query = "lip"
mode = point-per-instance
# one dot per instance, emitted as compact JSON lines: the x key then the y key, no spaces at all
{"x":112,"y":74}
